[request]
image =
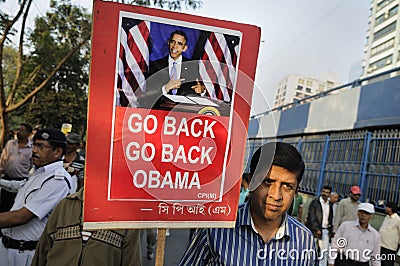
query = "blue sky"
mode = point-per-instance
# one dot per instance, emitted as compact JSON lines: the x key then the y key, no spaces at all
{"x":305,"y":37}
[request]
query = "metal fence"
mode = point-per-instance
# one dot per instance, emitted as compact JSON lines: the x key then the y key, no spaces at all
{"x":369,"y":159}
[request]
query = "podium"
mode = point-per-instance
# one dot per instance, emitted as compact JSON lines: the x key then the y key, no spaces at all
{"x":193,"y":104}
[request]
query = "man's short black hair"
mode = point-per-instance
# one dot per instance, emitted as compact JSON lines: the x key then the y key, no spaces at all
{"x":279,"y":154}
{"x":246,"y":177}
{"x":392,"y":206}
{"x":27,"y":127}
{"x":327,"y":187}
{"x":179,"y":32}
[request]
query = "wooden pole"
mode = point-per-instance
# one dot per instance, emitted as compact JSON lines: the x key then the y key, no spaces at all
{"x":160,"y":247}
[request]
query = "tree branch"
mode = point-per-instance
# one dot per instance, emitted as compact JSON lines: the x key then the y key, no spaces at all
{"x":46,"y":81}
{"x":3,"y":38}
{"x":11,"y":23}
{"x":31,"y":78}
{"x":20,"y":64}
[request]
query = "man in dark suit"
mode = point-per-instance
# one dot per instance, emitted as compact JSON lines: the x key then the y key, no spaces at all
{"x":319,"y":221}
{"x":173,"y":74}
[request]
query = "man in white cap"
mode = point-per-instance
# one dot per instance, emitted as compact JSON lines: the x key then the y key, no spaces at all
{"x":356,"y":242}
{"x":347,"y":208}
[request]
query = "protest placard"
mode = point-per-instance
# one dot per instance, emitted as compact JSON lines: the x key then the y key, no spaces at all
{"x":155,"y":159}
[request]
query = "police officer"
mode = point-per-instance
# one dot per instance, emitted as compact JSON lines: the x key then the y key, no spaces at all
{"x":46,"y":186}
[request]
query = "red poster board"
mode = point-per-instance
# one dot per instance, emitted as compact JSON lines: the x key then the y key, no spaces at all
{"x":170,"y":161}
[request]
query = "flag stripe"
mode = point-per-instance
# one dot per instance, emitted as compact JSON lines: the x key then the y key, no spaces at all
{"x":218,"y":74}
{"x":229,"y":59}
{"x":205,"y":77}
{"x":212,"y":80}
{"x":127,"y":63}
{"x":227,"y":68}
{"x":133,"y":61}
{"x":125,"y":85}
{"x":138,"y":45}
{"x":217,"y":61}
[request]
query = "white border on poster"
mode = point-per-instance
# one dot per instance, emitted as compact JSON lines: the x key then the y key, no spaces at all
{"x":188,"y":25}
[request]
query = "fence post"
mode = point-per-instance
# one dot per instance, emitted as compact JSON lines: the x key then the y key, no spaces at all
{"x":299,"y":143}
{"x":322,"y":168}
{"x":364,"y":165}
{"x":251,"y":151}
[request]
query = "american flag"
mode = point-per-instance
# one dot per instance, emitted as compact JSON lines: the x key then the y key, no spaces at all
{"x":133,"y":61}
{"x":218,"y":65}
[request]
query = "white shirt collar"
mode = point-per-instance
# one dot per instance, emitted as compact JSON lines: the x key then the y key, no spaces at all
{"x":49,"y":167}
{"x":281,"y":230}
{"x":171,"y":61}
{"x":323,"y":201}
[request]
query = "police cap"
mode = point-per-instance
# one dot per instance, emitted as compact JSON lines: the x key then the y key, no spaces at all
{"x":51,"y":135}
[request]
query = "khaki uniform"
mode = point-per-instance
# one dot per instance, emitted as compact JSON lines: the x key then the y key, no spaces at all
{"x":61,"y":242}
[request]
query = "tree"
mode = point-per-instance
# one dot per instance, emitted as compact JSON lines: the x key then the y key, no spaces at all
{"x":64,"y":98}
{"x":39,"y":63}
{"x":46,"y":76}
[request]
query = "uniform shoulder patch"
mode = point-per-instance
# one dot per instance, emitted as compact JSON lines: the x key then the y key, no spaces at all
{"x":59,"y":173}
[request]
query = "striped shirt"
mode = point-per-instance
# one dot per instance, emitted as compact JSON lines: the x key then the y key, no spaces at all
{"x":293,"y":244}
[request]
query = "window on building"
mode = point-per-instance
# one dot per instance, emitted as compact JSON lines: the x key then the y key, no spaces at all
{"x":308,"y":90}
{"x":384,"y":3}
{"x":386,"y":30}
{"x":393,"y":11}
{"x":299,"y":94}
{"x":381,"y":63}
{"x":309,"y":83}
{"x":380,"y":19}
{"x":330,"y":83}
{"x":301,"y":81}
{"x":284,"y":93}
{"x":299,"y":88}
{"x":382,"y":47}
{"x":387,"y":15}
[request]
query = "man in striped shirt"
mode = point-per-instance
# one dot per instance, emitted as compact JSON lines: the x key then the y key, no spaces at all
{"x":264,"y":234}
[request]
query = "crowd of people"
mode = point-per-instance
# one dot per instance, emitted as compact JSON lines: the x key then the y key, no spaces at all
{"x":39,"y":168}
{"x":42,"y":201}
{"x":343,"y":233}
{"x":341,"y":229}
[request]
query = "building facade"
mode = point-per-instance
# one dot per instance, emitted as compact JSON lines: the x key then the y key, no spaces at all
{"x":383,"y":39}
{"x":296,"y":87}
